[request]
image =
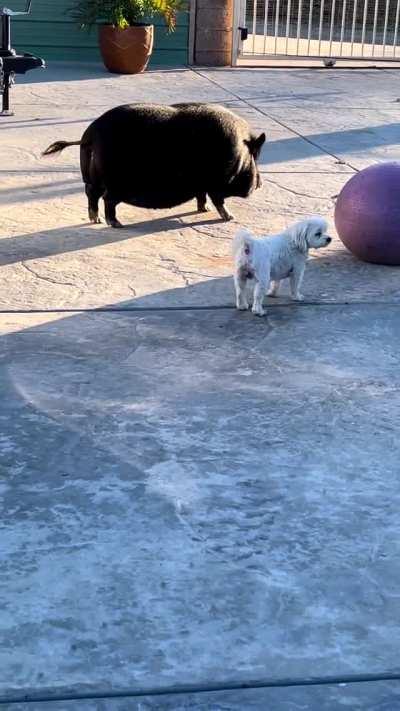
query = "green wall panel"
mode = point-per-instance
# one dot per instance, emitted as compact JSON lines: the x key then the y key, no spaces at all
{"x":50,"y":33}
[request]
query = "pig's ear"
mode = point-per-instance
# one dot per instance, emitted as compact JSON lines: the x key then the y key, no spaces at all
{"x":260,"y":141}
{"x":255,"y":144}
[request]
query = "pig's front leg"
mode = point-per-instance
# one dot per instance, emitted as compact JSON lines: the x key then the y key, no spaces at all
{"x":219,"y":203}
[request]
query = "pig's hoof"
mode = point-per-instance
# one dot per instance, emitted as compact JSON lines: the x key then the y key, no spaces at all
{"x":116,"y":224}
{"x":225,"y":214}
{"x":203,"y":208}
{"x":94,"y":217}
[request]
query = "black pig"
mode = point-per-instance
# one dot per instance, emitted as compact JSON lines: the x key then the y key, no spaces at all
{"x":158,"y":156}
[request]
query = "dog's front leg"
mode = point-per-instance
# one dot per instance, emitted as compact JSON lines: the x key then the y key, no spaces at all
{"x":241,"y":297}
{"x":260,"y":290}
{"x":296,"y":279}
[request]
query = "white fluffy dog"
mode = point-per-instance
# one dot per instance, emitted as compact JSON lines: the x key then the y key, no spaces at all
{"x":275,"y":258}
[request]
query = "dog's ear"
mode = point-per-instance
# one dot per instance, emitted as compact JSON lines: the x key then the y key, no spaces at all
{"x":255,"y":144}
{"x":300,"y":235}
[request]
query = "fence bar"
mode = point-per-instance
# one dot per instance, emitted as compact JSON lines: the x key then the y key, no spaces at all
{"x":299,"y":24}
{"x":321,"y":19}
{"x":385,"y":28}
{"x":374,"y":27}
{"x":396,"y":28}
{"x":244,"y":13}
{"x":310,"y":14}
{"x":254,"y":24}
{"x":353,"y":27}
{"x":266,"y":24}
{"x":363,"y":27}
{"x":332,"y":24}
{"x":288,"y":24}
{"x":276,"y":24}
{"x":342,"y":28}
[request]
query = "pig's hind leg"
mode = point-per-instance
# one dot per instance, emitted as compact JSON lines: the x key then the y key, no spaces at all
{"x":202,"y":203}
{"x":94,"y":194}
{"x":110,"y":204}
{"x":93,"y":187}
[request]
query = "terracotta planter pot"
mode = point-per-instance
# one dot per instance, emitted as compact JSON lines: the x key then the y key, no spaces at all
{"x":126,"y":51}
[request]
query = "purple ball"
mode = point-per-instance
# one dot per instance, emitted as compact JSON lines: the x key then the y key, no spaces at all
{"x":367,"y":214}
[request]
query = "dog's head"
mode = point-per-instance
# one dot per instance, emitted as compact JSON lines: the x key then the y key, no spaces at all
{"x":310,"y":234}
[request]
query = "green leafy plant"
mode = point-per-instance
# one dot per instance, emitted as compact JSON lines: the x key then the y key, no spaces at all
{"x":125,"y":13}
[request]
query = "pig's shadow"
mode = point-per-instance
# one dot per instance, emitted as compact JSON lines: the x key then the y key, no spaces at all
{"x":172,"y":222}
{"x":74,"y":238}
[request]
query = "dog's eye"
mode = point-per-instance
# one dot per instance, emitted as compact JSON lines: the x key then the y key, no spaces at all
{"x":318,"y":234}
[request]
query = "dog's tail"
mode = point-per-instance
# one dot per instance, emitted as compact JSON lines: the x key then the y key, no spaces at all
{"x":59,"y":146}
{"x":243,"y":243}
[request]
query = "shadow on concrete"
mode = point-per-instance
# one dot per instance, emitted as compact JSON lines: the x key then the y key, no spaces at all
{"x":32,"y":171}
{"x":179,"y":484}
{"x":40,"y":191}
{"x":39,"y":122}
{"x":352,"y":140}
{"x":82,"y":71}
{"x":86,"y":236}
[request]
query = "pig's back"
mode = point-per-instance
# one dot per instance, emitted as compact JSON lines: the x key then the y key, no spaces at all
{"x":154,"y":154}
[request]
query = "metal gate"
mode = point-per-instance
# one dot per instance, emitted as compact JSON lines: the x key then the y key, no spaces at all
{"x":326,"y":29}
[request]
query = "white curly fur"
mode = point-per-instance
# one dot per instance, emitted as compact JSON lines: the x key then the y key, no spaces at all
{"x":273,"y":258}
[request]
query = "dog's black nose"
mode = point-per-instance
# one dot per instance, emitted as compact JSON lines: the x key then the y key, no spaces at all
{"x":329,"y":239}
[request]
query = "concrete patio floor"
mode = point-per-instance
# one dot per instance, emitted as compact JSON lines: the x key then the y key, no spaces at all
{"x":193,"y":498}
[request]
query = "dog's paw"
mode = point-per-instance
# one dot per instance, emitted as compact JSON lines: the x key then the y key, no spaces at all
{"x":243,"y":306}
{"x":258,"y":311}
{"x":204,"y":208}
{"x":298,"y":297}
{"x":272,"y":294}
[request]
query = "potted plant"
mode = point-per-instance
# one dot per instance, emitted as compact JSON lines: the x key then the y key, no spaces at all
{"x":125,"y":37}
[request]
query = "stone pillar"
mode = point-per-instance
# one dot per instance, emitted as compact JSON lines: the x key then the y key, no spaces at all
{"x":213,"y":33}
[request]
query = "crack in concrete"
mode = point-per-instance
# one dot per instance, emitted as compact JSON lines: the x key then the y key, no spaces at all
{"x":207,"y":234}
{"x":173,"y":267}
{"x":296,"y":192}
{"x":207,"y":276}
{"x":45,"y":278}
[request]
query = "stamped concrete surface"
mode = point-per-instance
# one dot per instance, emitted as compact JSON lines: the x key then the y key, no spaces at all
{"x":321,"y":126}
{"x":192,"y":496}
{"x":199,"y":497}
